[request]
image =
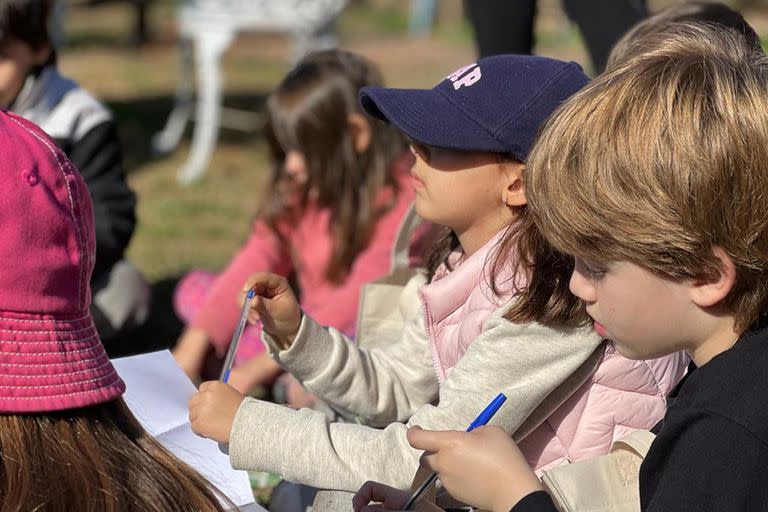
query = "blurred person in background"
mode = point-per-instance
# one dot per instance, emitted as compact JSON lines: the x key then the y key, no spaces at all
{"x":31,"y":86}
{"x":339,"y":190}
{"x":710,"y":13}
{"x":506,"y":26}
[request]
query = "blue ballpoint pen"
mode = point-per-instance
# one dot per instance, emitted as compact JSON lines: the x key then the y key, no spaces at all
{"x":230,"y":358}
{"x":236,"y":338}
{"x":481,"y":420}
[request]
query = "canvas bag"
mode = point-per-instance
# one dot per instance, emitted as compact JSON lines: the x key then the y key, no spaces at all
{"x":379,"y":315}
{"x":609,"y":483}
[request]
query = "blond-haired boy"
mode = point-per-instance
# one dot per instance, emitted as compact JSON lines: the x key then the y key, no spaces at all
{"x":655,"y":177}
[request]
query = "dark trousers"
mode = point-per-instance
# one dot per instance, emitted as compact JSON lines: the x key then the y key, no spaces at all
{"x":506,"y":26}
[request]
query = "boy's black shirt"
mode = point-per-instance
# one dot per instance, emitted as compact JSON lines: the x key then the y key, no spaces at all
{"x":711,"y":448}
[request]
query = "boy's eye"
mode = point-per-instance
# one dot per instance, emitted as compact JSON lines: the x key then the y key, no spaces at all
{"x":595,"y":273}
{"x":592,"y":271}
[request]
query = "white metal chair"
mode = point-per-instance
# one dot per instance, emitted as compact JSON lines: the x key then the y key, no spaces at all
{"x":206,"y":30}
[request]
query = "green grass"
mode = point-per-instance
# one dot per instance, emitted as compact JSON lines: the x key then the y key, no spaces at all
{"x":361,"y":20}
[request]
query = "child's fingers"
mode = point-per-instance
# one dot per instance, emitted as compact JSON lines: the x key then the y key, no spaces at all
{"x":256,"y":280}
{"x":430,"y":440}
{"x":391,"y":498}
{"x":362,"y":497}
{"x":253,"y":316}
{"x":194,"y":408}
{"x":258,"y":311}
{"x":259,"y":308}
{"x":265,"y":284}
{"x":198,"y":400}
{"x":207,"y":386}
{"x":259,"y":305}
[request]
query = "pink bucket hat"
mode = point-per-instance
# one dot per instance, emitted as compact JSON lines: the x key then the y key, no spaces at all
{"x":51,"y":357}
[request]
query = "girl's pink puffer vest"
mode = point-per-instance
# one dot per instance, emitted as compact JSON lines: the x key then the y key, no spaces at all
{"x":622,"y":395}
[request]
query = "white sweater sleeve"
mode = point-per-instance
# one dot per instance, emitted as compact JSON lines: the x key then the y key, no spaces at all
{"x":377,"y":386}
{"x":526,"y":362}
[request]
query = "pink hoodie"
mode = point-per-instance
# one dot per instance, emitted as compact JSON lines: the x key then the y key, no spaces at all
{"x":621,"y":396}
{"x":306,"y":252}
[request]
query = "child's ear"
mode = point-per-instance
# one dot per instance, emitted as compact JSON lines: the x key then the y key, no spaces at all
{"x":514,"y":192}
{"x":710,"y":291}
{"x":360,"y":131}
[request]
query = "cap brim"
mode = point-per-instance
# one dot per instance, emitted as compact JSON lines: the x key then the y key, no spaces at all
{"x":428,"y":117}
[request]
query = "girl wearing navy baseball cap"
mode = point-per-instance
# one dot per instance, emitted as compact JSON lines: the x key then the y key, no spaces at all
{"x":495,"y":311}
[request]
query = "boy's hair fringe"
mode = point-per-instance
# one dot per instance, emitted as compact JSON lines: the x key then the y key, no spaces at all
{"x":663,"y":159}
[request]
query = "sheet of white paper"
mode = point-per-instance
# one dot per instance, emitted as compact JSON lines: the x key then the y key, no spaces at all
{"x":157,"y":392}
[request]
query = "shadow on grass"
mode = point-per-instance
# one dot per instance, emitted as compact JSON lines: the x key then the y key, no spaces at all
{"x":161,"y":329}
{"x":139,"y":119}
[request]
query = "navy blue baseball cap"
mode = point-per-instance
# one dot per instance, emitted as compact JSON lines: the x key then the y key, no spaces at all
{"x":496,"y":104}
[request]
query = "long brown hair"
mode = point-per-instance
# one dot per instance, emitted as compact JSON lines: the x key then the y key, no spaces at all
{"x":309,"y":113}
{"x":94,"y":459}
{"x":546,"y":298}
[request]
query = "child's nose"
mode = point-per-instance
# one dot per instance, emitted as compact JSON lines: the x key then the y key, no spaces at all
{"x":296,"y":167}
{"x":581,"y":286}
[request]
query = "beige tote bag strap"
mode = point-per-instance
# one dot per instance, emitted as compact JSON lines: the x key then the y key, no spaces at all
{"x":400,"y":252}
{"x":638,"y":441}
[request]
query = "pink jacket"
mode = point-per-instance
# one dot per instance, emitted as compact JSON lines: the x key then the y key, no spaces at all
{"x":456,"y":303}
{"x":306,"y":252}
{"x":622,"y":395}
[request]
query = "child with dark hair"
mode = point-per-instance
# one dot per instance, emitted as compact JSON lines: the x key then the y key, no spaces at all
{"x":31,"y":86}
{"x":339,"y":190}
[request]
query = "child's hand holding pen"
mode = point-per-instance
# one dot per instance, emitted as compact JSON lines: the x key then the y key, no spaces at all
{"x":275,"y":305}
{"x":483,"y":468}
{"x":266,"y":297}
{"x":212,"y":410}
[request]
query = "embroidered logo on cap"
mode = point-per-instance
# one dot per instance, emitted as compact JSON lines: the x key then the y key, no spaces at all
{"x":466,"y":76}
